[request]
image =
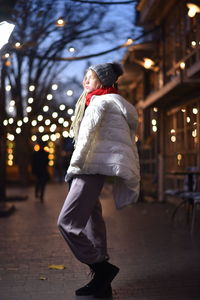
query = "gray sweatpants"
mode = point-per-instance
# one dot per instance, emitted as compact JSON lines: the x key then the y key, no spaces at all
{"x":81,"y":222}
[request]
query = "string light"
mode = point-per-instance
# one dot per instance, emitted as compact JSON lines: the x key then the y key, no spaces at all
{"x":65,"y":134}
{"x":31,"y":88}
{"x":54,"y":87}
{"x":188,"y":119}
{"x":19,"y":123}
{"x":179,"y":157}
{"x":153,"y":122}
{"x":57,"y":135}
{"x":62,"y":107}
{"x":36,"y":147}
{"x":60,"y":22}
{"x":17,"y":44}
{"x":18,"y":130}
{"x":69,"y":93}
{"x":47,"y":122}
{"x":10,"y":137}
{"x":173,"y":138}
{"x":10,"y":156}
{"x":148,"y":63}
{"x":25,"y":119}
{"x":53,"y":137}
{"x":195,"y":111}
{"x":193,"y":44}
{"x":154,"y":128}
{"x":128,"y":42}
{"x":30,"y":100}
{"x":34,"y":123}
{"x":71,"y":49}
{"x":182,"y":65}
{"x":45,"y":108}
{"x":8,"y":87}
{"x":11,"y":109}
{"x":49,"y":97}
{"x":66,"y":124}
{"x":34,"y":138}
{"x":41,"y":129}
{"x":29,"y":109}
{"x":45,"y":137}
{"x":10,"y":120}
{"x":40,"y":118}
{"x":70,"y":111}
{"x":53,"y":127}
{"x":54,"y":114}
{"x":61,"y":120}
{"x":194,"y":133}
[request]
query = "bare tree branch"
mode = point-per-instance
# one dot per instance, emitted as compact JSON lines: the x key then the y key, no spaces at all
{"x":105,"y":3}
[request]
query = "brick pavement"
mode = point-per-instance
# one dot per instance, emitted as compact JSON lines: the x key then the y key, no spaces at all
{"x":157,"y":261}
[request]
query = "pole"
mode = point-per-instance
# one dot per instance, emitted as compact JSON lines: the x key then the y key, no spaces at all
{"x":5,"y":209}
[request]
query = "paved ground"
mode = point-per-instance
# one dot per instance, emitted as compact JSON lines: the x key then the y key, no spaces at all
{"x":157,"y":261}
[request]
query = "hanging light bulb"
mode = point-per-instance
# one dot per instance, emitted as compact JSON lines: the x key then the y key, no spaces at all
{"x":60,"y":22}
{"x":182,"y":65}
{"x":193,"y":9}
{"x":148,"y":63}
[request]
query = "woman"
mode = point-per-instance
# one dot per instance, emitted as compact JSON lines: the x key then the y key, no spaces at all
{"x":104,"y":132}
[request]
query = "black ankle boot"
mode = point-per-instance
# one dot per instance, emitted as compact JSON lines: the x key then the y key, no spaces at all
{"x":104,"y":274}
{"x":100,"y":285}
{"x":90,"y":288}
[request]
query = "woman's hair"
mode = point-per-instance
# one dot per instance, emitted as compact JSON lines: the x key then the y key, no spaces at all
{"x":78,"y":115}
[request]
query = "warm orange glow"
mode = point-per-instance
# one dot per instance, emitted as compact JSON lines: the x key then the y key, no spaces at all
{"x":36,"y":147}
{"x":8,"y":63}
{"x":51,"y":156}
{"x":46,"y":148}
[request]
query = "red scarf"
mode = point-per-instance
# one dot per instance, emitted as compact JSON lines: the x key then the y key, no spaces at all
{"x":101,"y":91}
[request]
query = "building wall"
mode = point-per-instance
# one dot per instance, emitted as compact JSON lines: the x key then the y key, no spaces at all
{"x":169,"y":104}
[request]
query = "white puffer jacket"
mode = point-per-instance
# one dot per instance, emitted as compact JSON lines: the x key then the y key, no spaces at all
{"x":106,"y":145}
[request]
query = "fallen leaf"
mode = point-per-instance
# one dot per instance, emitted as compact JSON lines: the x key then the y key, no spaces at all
{"x":43,"y":278}
{"x":56,"y":267}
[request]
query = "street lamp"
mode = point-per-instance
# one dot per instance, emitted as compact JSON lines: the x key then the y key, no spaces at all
{"x":5,"y":31}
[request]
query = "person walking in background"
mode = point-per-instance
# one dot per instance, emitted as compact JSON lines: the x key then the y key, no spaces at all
{"x":40,"y":171}
{"x":104,"y":133}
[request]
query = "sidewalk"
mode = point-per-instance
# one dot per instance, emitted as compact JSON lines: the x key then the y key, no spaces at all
{"x":158,"y":261}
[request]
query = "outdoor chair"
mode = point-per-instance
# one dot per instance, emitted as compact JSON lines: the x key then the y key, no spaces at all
{"x":192,"y":199}
{"x":188,"y":194}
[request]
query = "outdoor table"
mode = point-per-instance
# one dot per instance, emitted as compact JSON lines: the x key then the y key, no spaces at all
{"x":190,"y":175}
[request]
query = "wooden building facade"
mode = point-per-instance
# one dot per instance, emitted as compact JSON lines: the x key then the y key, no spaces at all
{"x":162,"y":79}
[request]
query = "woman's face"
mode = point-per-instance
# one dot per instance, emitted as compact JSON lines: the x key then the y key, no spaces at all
{"x":91,"y":82}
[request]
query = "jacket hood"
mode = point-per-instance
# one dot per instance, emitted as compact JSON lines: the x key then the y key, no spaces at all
{"x":127,"y":109}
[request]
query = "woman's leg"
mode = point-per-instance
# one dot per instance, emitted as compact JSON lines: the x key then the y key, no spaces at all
{"x":95,"y":230}
{"x":81,"y":200}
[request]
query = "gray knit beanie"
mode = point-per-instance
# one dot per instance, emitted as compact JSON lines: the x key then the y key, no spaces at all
{"x":107,"y":73}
